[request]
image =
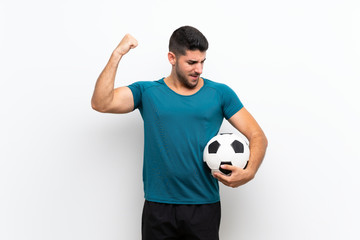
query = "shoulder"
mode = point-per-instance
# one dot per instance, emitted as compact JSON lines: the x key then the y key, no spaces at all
{"x":141,"y":88}
{"x":145,"y":85}
{"x":220,"y":88}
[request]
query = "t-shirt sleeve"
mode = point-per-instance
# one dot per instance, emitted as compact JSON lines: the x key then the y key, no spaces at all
{"x":231,"y":103}
{"x":136,"y":90}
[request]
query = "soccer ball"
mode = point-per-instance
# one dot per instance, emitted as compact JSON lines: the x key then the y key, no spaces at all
{"x":226,"y":148}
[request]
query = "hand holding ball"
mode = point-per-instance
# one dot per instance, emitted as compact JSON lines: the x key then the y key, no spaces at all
{"x":226,"y":148}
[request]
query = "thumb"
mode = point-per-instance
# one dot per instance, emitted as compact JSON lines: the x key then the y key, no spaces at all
{"x":228,"y":167}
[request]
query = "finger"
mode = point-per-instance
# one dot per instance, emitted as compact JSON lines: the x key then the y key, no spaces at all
{"x":225,"y":182}
{"x":222,"y":177}
{"x":228,"y":167}
{"x":131,"y":40}
{"x":134,"y":44}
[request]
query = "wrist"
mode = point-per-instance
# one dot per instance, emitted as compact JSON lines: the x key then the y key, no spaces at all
{"x":116,"y":55}
{"x":251,"y":170}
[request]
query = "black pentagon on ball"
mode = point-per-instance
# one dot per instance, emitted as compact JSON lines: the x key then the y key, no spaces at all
{"x":237,"y":146}
{"x":213,"y":147}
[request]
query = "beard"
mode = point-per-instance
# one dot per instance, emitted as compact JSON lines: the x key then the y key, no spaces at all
{"x":183,"y":78}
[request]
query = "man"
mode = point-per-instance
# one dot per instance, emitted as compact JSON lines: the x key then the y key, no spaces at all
{"x":181,"y":113}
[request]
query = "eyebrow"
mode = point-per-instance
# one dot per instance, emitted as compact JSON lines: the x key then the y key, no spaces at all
{"x":194,"y":61}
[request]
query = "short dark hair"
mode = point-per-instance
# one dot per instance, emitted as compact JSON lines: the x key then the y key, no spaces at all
{"x":187,"y":38}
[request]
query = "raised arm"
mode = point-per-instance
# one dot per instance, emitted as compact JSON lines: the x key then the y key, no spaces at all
{"x":105,"y":98}
{"x":246,"y":124}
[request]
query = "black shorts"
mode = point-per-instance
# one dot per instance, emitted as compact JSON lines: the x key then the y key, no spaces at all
{"x":162,"y":221}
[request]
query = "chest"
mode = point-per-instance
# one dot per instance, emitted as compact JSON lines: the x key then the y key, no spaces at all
{"x":202,"y":107}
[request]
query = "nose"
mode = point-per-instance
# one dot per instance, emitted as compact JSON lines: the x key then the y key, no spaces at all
{"x":199,"y":68}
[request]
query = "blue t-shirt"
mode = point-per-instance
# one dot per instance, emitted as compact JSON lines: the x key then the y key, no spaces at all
{"x":176,"y":131}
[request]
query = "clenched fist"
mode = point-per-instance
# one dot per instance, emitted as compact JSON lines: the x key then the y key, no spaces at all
{"x":127,"y":43}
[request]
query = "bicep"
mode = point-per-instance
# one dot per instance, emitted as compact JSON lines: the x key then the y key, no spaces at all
{"x":123,"y":101}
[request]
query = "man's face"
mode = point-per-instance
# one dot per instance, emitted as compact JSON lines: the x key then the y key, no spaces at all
{"x":189,"y":67}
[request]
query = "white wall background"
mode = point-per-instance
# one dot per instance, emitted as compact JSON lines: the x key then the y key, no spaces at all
{"x":68,"y":172}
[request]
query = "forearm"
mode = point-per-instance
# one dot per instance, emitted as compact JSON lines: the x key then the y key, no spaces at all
{"x":247,"y":125}
{"x":258,"y":145}
{"x":104,"y":88}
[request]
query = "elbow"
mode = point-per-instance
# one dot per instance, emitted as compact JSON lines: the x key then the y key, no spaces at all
{"x":97,"y":107}
{"x":265,"y":141}
{"x":261,"y":139}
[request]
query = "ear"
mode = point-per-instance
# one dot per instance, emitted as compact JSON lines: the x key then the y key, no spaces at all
{"x":172,"y":58}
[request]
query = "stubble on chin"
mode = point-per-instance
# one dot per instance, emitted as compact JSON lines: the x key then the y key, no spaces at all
{"x":191,"y":84}
{"x":188,"y":83}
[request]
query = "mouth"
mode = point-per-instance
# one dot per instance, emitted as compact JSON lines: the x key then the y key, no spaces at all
{"x":195,"y":77}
